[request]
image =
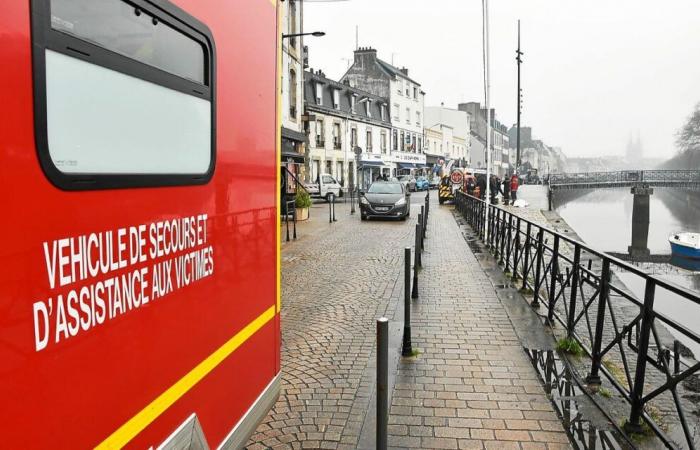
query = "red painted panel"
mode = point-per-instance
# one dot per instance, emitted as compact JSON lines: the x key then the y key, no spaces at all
{"x":75,"y":393}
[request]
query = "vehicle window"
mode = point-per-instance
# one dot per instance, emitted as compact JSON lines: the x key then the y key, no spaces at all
{"x":385,"y":188}
{"x":328,"y":180}
{"x":132,"y":32}
{"x":94,"y":60}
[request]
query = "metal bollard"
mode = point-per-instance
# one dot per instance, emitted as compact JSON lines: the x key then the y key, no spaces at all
{"x":352,"y":199}
{"x":416,"y":263}
{"x":382,"y":382}
{"x":334,"y":219}
{"x":407,"y":350}
{"x":286,"y":219}
{"x":295,"y":223}
{"x":422,"y":222}
{"x":330,"y":212}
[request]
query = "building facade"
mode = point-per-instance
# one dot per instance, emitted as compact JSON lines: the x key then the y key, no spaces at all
{"x":500,"y":142}
{"x":406,"y":106}
{"x":349,"y":131}
{"x":449,"y":135}
{"x":293,"y":139}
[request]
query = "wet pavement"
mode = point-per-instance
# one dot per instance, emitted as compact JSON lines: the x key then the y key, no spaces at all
{"x":471,"y":385}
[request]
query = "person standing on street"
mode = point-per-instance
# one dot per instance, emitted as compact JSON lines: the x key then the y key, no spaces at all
{"x":514,"y":182}
{"x":506,"y":190}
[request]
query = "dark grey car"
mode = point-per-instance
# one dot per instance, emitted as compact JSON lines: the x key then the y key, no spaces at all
{"x":385,"y":199}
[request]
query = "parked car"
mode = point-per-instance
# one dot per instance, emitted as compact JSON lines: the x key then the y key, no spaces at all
{"x":409,"y":182}
{"x":422,"y":184}
{"x":385,"y":199}
{"x":326,"y":187}
{"x":434,"y":182}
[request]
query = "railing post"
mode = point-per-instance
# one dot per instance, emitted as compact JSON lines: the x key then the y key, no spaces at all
{"x":526,"y":255}
{"x":516,"y":259}
{"x":596,"y":358}
{"x":502,"y":235}
{"x":382,"y":382}
{"x":570,"y":323}
{"x":538,"y":268}
{"x":509,"y":240}
{"x":286,"y":218}
{"x":407,"y":350}
{"x":554,"y":272}
{"x":295,"y":222}
{"x":634,"y":425}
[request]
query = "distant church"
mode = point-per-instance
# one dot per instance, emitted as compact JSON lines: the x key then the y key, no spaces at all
{"x":634,"y":153}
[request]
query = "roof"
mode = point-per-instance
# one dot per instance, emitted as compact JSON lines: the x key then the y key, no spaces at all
{"x":391,"y":70}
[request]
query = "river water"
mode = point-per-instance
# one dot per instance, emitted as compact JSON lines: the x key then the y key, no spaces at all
{"x":603,"y":219}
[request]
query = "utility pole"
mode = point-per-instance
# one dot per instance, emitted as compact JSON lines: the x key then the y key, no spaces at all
{"x":487,"y":92}
{"x":518,"y":58}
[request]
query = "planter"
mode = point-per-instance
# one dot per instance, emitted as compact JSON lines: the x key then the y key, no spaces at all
{"x":302,"y":214}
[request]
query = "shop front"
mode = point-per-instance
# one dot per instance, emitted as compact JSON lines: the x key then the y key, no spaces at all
{"x":292,"y":165}
{"x":409,"y":163}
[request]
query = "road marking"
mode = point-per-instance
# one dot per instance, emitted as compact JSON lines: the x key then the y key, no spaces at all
{"x":141,"y":420}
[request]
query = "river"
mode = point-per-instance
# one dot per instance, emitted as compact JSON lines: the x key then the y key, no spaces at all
{"x":603,"y":219}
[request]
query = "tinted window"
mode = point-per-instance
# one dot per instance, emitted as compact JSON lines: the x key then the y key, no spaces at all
{"x":132,"y":32}
{"x":385,"y":188}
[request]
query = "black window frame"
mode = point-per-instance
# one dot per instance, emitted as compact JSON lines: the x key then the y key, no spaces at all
{"x":44,"y":37}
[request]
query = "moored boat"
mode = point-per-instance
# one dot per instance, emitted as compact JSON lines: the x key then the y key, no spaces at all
{"x":685,"y":245}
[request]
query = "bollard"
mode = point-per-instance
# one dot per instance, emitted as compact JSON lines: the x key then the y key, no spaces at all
{"x":419,"y":260}
{"x":352,"y":199}
{"x":333,"y":198}
{"x":416,"y":263}
{"x":286,"y":219}
{"x":295,"y":223}
{"x":382,"y":382}
{"x":422,"y":223}
{"x":330,"y":213}
{"x":407,"y":350}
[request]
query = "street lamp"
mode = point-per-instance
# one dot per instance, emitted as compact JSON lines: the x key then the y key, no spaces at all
{"x":315,"y":34}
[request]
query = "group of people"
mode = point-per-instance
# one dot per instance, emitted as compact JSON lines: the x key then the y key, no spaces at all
{"x":507,"y":187}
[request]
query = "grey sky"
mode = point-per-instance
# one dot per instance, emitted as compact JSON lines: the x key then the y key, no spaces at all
{"x":594,"y":72}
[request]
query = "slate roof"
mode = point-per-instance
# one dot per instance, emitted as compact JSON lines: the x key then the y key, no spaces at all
{"x":393,"y":71}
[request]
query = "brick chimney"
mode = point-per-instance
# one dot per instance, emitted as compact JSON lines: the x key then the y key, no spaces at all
{"x":365,"y":56}
{"x":404,"y":71}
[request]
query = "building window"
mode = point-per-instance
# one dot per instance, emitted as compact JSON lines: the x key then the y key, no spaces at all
{"x":403,"y":142}
{"x":319,"y":94}
{"x":418,"y":118}
{"x":397,"y":111}
{"x":336,"y":99}
{"x":336,"y":136}
{"x":353,"y":137}
{"x":383,"y":141}
{"x":292,"y":94}
{"x":339,"y":175}
{"x":420,"y":145}
{"x":408,"y":115}
{"x":369,"y":140}
{"x":88,"y":53}
{"x":395,"y":140}
{"x":329,"y":168}
{"x":320,"y":134}
{"x":415,"y":93}
{"x":413,"y":143}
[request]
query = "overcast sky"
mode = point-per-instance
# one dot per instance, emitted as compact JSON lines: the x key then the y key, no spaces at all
{"x":594,"y":71}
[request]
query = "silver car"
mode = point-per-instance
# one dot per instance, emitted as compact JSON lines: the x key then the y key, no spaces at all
{"x":409,"y":182}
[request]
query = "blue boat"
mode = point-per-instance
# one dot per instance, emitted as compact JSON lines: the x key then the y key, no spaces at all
{"x":685,"y":245}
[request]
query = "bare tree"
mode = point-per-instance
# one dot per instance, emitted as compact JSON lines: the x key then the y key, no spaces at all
{"x":688,"y":137}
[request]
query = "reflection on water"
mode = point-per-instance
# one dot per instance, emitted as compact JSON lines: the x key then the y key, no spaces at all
{"x":603,"y":219}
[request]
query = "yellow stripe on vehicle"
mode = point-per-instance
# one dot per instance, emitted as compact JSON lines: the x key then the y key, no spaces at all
{"x":147,"y":415}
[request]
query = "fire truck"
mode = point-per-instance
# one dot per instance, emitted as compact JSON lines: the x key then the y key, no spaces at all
{"x":139,"y":294}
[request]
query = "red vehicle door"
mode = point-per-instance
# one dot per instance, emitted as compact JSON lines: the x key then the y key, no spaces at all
{"x":139,"y":294}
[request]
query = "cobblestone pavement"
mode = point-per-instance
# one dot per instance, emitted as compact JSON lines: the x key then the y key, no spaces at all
{"x":471,"y":386}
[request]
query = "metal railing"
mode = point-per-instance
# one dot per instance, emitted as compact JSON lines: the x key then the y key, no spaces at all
{"x":626,"y":177}
{"x":627,"y":338}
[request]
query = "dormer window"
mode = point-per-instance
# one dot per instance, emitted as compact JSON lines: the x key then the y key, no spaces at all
{"x":368,"y":108}
{"x":382,"y":109}
{"x":353,"y":99}
{"x":336,"y":99}
{"x":319,"y":94}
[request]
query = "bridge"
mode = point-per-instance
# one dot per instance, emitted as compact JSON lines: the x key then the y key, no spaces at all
{"x":684,"y":179}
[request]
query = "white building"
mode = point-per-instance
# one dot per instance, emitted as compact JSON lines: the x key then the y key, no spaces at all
{"x":406,"y":100}
{"x":342,"y":119}
{"x":452,"y":128}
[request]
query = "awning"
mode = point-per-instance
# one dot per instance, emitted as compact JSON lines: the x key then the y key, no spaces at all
{"x":295,"y":158}
{"x":371,"y":164}
{"x":293,"y":135}
{"x":409,"y":166}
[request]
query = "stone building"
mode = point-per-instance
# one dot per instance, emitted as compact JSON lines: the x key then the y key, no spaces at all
{"x":406,"y":104}
{"x":500,"y":142}
{"x":447,"y":135}
{"x":339,"y":120}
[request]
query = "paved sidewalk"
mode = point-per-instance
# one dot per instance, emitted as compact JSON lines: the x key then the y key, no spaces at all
{"x":471,"y":386}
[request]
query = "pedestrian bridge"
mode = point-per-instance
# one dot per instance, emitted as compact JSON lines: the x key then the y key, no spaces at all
{"x":686,"y":179}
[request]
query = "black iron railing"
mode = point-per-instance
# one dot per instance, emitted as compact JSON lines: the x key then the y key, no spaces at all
{"x":630,"y":342}
{"x":626,"y":177}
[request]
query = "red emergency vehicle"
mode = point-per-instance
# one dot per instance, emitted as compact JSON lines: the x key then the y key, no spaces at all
{"x":139,"y":286}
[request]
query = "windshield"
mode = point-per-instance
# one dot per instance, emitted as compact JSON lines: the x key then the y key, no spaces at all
{"x":385,"y":188}
{"x":405,"y":178}
{"x":422,"y":179}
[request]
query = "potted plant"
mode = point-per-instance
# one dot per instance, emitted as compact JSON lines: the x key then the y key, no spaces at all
{"x":302,"y":204}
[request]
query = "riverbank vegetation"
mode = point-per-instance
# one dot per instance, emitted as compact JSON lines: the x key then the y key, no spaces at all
{"x":688,"y":143}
